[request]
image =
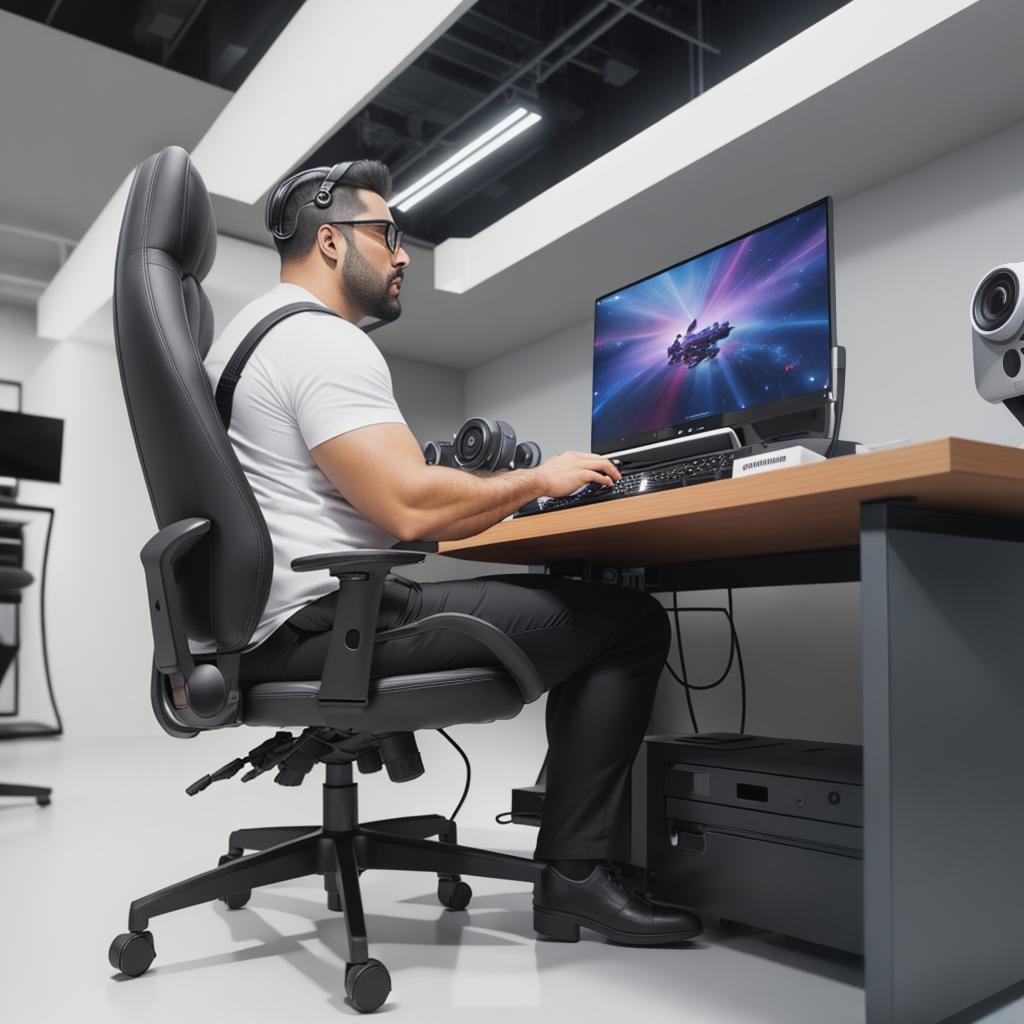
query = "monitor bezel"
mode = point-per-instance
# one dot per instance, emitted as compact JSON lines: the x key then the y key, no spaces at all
{"x":755,"y":413}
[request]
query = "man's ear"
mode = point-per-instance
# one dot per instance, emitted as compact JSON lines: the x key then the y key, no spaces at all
{"x":327,"y":240}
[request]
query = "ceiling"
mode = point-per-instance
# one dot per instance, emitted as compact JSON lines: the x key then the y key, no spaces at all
{"x":85,"y":114}
{"x":598,"y":71}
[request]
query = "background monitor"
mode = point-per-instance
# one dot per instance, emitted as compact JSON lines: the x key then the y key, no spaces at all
{"x":738,"y":335}
{"x":30,"y":446}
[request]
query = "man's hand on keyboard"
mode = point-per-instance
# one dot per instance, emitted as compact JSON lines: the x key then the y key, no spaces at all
{"x":563,"y":474}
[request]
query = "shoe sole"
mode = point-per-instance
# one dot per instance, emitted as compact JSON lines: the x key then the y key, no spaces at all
{"x":553,"y":924}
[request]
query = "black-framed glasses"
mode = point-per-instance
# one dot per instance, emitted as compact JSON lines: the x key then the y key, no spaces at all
{"x":392,"y":236}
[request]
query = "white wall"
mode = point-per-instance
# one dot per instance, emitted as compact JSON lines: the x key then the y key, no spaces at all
{"x":100,"y":644}
{"x":908,"y":255}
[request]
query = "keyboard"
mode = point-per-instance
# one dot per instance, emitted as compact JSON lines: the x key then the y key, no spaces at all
{"x":697,"y":469}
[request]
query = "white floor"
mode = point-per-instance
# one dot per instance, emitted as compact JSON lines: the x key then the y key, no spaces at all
{"x":120,"y":826}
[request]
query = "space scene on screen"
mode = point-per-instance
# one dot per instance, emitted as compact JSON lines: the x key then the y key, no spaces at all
{"x":744,"y":325}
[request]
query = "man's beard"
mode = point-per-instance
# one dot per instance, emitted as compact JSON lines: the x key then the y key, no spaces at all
{"x":371,"y":293}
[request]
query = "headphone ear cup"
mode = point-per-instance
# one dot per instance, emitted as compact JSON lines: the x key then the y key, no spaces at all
{"x":527,"y":455}
{"x":472,"y":443}
{"x":504,"y":449}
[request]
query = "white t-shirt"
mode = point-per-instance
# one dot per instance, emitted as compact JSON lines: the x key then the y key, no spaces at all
{"x":311,"y":378}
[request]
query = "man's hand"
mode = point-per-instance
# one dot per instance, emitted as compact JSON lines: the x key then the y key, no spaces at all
{"x":570,"y":471}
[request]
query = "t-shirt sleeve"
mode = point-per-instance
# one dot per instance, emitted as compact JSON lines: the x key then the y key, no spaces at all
{"x":336,"y":380}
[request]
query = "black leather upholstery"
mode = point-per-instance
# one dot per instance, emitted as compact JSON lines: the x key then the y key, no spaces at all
{"x":424,"y":700}
{"x":163,"y":324}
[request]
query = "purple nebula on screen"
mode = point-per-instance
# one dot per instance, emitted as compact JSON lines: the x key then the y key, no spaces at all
{"x":744,"y":325}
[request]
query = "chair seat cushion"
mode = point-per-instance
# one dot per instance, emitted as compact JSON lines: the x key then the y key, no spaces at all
{"x":423,"y":700}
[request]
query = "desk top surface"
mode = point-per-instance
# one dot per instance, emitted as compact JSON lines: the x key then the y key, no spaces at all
{"x":796,"y":509}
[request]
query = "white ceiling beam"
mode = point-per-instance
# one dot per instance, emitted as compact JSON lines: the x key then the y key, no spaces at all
{"x":326,"y":65}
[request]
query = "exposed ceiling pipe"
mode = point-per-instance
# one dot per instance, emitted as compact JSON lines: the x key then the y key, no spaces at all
{"x":500,"y":89}
{"x":183,"y":31}
{"x":588,"y":39}
{"x":696,"y":40}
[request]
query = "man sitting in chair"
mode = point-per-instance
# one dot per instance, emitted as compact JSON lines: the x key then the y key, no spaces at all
{"x":334,"y":467}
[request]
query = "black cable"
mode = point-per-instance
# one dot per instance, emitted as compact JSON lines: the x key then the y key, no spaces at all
{"x":739,"y":661}
{"x":682,"y":665}
{"x":734,"y":653}
{"x":469,"y":773}
{"x":728,"y":667}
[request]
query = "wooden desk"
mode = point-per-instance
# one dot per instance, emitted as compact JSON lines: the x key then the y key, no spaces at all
{"x":937,"y":536}
{"x":798,"y":509}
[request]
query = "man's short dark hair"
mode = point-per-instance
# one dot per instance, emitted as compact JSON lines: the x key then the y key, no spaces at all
{"x":300,"y":210}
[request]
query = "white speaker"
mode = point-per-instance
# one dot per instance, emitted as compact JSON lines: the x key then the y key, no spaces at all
{"x":997,"y":330}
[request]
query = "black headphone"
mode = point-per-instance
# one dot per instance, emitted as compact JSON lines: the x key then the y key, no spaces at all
{"x":329,"y":177}
{"x":483,"y":444}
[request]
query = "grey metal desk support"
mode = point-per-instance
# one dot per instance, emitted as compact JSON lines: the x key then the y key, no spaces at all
{"x":943,"y":760}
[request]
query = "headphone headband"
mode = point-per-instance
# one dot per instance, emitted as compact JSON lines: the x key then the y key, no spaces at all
{"x":329,"y":177}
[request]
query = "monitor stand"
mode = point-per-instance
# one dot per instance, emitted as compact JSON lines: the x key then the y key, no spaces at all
{"x":674,"y":448}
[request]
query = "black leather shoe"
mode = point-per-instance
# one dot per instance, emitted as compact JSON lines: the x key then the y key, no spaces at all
{"x":605,"y":903}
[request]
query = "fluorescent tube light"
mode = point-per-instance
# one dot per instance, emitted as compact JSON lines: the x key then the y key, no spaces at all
{"x":464,"y":159}
{"x":455,"y":158}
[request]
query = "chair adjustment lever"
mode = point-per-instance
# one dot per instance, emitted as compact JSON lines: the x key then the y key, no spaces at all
{"x":268,"y":753}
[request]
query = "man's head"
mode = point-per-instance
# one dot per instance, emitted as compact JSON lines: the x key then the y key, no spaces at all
{"x":352,"y":263}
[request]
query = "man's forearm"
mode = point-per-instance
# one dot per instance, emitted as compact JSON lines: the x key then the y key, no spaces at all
{"x":456,"y":504}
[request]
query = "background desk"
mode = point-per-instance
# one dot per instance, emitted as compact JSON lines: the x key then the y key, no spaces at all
{"x":11,"y":556}
{"x":935,"y":533}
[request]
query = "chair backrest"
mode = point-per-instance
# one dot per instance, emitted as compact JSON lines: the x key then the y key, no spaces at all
{"x":163,"y":325}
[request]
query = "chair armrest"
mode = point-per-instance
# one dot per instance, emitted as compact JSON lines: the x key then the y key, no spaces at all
{"x":160,"y":554}
{"x":202,"y":697}
{"x":502,"y":646}
{"x":356,"y":561}
{"x":345,"y":680}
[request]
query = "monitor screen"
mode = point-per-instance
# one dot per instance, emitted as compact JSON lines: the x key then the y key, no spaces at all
{"x":30,"y":446}
{"x":730,"y":336}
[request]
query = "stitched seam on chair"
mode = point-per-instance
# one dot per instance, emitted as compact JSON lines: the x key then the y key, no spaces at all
{"x":184,"y":391}
{"x":184,"y":210}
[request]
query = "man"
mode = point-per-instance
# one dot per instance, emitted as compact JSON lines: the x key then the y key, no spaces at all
{"x":334,"y":467}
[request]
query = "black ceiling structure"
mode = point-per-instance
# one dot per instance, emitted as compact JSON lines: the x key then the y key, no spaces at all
{"x":597,"y":71}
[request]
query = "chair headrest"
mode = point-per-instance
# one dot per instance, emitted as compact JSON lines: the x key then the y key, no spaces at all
{"x":177,"y":215}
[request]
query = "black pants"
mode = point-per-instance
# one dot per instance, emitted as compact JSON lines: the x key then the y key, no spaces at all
{"x":599,"y":648}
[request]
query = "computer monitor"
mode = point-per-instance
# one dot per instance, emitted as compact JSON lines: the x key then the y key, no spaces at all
{"x":738,"y":336}
{"x":30,"y":447}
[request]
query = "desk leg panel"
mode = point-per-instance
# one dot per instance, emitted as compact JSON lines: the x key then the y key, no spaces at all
{"x":943,"y":767}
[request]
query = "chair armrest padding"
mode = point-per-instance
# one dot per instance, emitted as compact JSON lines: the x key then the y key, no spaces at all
{"x":356,"y":561}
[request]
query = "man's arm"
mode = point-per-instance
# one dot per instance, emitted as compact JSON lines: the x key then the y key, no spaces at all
{"x":380,"y":470}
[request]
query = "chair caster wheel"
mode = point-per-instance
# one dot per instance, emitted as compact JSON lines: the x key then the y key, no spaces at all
{"x":43,"y":801}
{"x":234,"y":900}
{"x":367,"y":985}
{"x":454,"y":894}
{"x":132,"y":953}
